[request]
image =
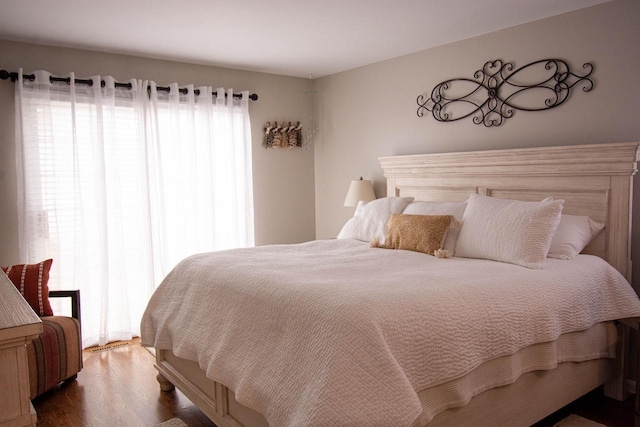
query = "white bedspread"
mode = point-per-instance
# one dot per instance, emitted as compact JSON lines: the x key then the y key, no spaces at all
{"x":336,"y":333}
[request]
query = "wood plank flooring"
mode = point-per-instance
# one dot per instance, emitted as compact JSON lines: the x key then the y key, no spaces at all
{"x":117,"y":387}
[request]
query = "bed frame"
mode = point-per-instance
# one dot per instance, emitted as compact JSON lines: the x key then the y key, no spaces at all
{"x":594,"y":180}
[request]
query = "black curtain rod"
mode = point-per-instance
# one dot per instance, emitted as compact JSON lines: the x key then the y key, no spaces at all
{"x":4,"y":75}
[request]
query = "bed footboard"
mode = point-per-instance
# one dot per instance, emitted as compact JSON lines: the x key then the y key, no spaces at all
{"x":499,"y":406}
{"x":215,"y":400}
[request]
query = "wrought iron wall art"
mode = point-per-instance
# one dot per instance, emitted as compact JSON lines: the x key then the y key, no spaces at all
{"x":497,"y":90}
{"x":283,"y":136}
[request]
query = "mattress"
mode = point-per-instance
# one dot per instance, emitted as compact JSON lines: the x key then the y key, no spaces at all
{"x":335,"y":332}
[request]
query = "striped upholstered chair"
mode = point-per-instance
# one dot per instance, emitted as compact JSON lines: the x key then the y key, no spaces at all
{"x":56,"y":355}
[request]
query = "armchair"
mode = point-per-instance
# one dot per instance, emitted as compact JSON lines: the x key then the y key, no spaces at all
{"x":56,"y":354}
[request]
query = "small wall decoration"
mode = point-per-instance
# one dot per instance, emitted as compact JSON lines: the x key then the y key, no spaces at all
{"x":497,"y":90}
{"x":283,"y":136}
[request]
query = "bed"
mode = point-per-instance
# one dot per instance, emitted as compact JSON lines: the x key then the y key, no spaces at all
{"x":348,"y":371}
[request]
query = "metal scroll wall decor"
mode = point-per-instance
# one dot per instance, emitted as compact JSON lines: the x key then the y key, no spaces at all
{"x":497,"y":90}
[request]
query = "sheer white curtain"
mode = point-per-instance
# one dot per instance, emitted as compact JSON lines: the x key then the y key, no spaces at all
{"x":117,"y":186}
{"x":200,"y":167}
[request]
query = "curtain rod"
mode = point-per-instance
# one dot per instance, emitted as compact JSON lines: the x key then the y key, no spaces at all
{"x":4,"y":75}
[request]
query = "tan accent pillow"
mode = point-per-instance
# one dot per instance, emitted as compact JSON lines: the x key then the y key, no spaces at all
{"x":418,"y":233}
{"x":439,"y":208}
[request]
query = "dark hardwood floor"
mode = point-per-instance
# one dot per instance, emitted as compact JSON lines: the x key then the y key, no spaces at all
{"x":596,"y":407}
{"x":117,"y":387}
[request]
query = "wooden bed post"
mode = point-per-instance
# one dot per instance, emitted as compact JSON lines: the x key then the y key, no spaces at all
{"x":165,"y":384}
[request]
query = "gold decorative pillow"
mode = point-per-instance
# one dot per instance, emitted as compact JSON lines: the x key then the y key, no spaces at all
{"x":418,"y":233}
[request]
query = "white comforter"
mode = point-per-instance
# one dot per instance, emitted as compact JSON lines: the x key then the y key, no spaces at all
{"x":336,"y":333}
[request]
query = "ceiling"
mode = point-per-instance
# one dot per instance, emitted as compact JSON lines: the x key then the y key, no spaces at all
{"x":288,"y":37}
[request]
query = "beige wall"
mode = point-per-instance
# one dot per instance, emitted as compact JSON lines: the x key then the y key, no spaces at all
{"x":371,"y":111}
{"x":283,"y":179}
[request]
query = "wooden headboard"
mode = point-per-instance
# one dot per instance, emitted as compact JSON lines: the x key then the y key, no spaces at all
{"x":593,"y":180}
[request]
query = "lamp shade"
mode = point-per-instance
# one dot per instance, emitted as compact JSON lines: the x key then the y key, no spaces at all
{"x":359,"y":190}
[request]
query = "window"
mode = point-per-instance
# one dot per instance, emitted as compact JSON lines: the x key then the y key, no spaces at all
{"x":118,"y":186}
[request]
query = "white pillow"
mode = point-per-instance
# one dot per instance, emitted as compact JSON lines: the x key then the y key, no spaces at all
{"x":435,"y":208}
{"x":574,"y":233}
{"x":370,"y":218}
{"x":508,"y":230}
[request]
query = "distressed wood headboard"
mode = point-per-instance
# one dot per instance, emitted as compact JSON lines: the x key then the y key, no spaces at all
{"x":593,"y":180}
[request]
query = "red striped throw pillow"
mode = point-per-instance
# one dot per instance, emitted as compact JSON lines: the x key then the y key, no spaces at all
{"x":32,"y":282}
